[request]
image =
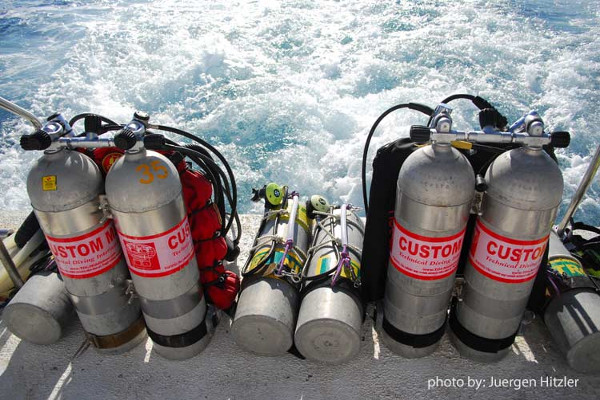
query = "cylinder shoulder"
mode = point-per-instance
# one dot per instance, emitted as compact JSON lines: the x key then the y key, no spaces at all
{"x":142,"y":181}
{"x":63,"y":180}
{"x":437,"y":176}
{"x":525,"y":178}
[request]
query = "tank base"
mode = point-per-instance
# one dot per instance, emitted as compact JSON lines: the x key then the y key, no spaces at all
{"x":183,"y":353}
{"x":327,"y":341}
{"x":573,"y":320}
{"x":262,"y":335}
{"x":329,"y":326}
{"x":476,"y":355}
{"x":124,"y":348}
{"x":404,"y":350}
{"x":265,"y":317}
{"x":40,"y":310}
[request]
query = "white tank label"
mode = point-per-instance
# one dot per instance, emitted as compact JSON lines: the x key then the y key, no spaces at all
{"x":426,"y":258}
{"x":87,"y":255}
{"x":504,"y":259}
{"x":159,"y":255}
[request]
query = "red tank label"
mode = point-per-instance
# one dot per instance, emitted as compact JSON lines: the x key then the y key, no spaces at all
{"x":159,"y":255}
{"x":426,"y":258}
{"x":87,"y":255}
{"x":504,"y":259}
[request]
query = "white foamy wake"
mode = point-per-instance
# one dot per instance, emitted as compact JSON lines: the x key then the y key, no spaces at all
{"x":288,"y":90}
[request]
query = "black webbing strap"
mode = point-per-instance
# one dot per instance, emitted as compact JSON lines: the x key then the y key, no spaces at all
{"x":184,"y":339}
{"x":477,"y":342}
{"x":409,"y":339}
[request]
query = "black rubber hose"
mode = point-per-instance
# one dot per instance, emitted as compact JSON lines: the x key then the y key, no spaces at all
{"x":413,"y":106}
{"x":110,"y":123}
{"x":210,"y":148}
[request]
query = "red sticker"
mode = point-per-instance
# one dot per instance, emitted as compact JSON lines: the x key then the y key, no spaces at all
{"x":504,"y":259}
{"x":109,"y":159}
{"x":87,"y":255}
{"x":426,"y":258}
{"x":159,"y":255}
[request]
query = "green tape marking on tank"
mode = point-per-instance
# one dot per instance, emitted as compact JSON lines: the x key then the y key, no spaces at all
{"x":567,"y":267}
{"x":329,"y":261}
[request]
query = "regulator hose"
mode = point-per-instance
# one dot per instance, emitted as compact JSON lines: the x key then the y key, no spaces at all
{"x":412,"y":106}
{"x":210,"y":148}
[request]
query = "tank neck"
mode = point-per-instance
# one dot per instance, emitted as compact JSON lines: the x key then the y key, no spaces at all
{"x":441,"y":147}
{"x":534,"y":151}
{"x":135,"y":154}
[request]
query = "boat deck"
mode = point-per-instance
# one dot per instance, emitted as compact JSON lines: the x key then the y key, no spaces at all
{"x":224,"y":371}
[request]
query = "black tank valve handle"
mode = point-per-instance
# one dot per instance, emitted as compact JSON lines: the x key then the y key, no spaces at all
{"x":420,"y":134}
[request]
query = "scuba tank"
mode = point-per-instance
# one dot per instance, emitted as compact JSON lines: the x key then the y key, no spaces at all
{"x":144,"y":194}
{"x":268,"y":303}
{"x":524,"y":190}
{"x":435,"y":189}
{"x":40,"y":310}
{"x":331,"y":313}
{"x":572,"y":312}
{"x":64,"y":187}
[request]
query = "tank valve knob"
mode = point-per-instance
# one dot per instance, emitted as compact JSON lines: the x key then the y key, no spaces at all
{"x":480,"y":184}
{"x":141,"y":115}
{"x":125,"y":139}
{"x":154,"y":141}
{"x":39,"y":140}
{"x":560,"y":139}
{"x":420,"y":134}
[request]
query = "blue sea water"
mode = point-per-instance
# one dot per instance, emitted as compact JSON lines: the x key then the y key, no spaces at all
{"x":288,"y":90}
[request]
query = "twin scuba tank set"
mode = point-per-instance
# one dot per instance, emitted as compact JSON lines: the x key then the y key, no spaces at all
{"x":300,"y":287}
{"x":438,"y":198}
{"x":139,"y":275}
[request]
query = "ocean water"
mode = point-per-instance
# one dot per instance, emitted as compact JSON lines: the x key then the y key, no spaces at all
{"x":288,"y":90}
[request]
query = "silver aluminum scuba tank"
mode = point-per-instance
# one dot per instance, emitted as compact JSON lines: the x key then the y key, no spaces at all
{"x":144,"y":195}
{"x":524,"y":190}
{"x":268,"y":303}
{"x":331,"y":313}
{"x":436,"y":185}
{"x":64,"y":188}
{"x":573,"y":315}
{"x":40,"y":310}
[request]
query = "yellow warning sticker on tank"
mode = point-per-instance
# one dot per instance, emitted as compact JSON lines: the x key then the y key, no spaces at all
{"x":292,"y":262}
{"x":49,"y":183}
{"x":567,"y":267}
{"x":329,"y":261}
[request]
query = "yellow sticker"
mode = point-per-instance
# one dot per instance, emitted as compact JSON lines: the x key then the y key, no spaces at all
{"x":567,"y":267}
{"x":293,"y":262}
{"x":48,"y":183}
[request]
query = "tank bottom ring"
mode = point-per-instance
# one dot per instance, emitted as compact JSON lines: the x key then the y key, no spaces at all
{"x":476,"y":342}
{"x":184,"y":339}
{"x":410,"y":339}
{"x":118,"y":339}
